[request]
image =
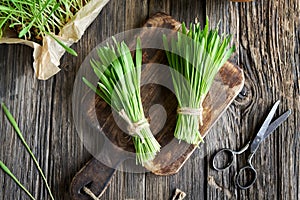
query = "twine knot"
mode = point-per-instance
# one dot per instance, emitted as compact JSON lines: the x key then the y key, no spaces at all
{"x":192,"y":111}
{"x":134,"y":128}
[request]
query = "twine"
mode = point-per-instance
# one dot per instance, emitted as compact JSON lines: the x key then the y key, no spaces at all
{"x":179,"y":195}
{"x":90,"y":193}
{"x":190,"y":111}
{"x":134,"y":128}
{"x":193,"y":111}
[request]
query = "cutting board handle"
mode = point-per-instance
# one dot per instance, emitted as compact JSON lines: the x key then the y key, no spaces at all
{"x":94,"y":177}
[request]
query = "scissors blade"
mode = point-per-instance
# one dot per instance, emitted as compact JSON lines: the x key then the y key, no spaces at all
{"x":277,"y":123}
{"x":260,"y":135}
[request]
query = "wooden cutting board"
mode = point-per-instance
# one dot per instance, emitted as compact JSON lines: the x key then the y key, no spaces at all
{"x":227,"y":84}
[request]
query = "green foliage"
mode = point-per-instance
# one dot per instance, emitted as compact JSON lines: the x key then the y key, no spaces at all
{"x":17,"y":129}
{"x":119,"y":85}
{"x":196,"y":57}
{"x":8,"y":172}
{"x":33,"y":19}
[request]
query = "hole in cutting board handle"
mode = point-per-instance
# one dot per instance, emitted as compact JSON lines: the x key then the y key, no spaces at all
{"x":95,"y":176}
{"x":88,"y":185}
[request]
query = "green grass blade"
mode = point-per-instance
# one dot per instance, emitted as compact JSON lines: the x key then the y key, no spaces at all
{"x":8,"y":172}
{"x":90,"y":85}
{"x":15,"y":126}
{"x":68,"y":49}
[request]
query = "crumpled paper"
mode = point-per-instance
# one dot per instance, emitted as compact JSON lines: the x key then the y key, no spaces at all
{"x":47,"y":56}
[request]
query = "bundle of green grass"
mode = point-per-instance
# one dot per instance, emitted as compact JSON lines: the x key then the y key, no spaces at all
{"x":119,"y":86}
{"x":34,"y":19}
{"x":195,"y":56}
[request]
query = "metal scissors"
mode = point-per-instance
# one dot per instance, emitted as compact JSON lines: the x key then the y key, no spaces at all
{"x":226,"y":156}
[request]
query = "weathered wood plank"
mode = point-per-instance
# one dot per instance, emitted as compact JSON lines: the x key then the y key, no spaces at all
{"x":159,"y":6}
{"x":190,"y":177}
{"x":266,"y":34}
{"x":115,"y":18}
{"x":220,"y":184}
{"x":188,"y":11}
{"x":261,"y":30}
{"x":163,"y":187}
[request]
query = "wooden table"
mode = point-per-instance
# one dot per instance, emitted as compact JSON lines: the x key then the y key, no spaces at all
{"x":266,"y":34}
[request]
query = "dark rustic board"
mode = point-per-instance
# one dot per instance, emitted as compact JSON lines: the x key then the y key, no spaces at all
{"x":226,"y":86}
{"x":266,"y":34}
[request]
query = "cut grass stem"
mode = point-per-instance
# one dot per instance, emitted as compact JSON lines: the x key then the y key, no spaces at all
{"x":8,"y":172}
{"x":15,"y":126}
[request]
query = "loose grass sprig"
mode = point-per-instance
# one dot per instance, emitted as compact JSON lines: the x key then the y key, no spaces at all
{"x":34,"y":19}
{"x":7,"y":171}
{"x":15,"y":126}
{"x":119,"y":85}
{"x":196,"y":55}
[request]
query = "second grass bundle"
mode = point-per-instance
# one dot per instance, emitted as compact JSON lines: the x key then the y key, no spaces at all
{"x":195,"y":57}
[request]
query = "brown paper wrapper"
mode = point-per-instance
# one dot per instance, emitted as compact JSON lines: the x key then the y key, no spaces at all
{"x":47,"y":56}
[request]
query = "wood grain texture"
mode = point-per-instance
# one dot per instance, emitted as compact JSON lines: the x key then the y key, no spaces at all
{"x":110,"y":140}
{"x":266,"y":34}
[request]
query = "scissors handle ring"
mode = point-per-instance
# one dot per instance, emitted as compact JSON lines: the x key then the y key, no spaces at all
{"x":220,"y":155}
{"x":250,"y":182}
